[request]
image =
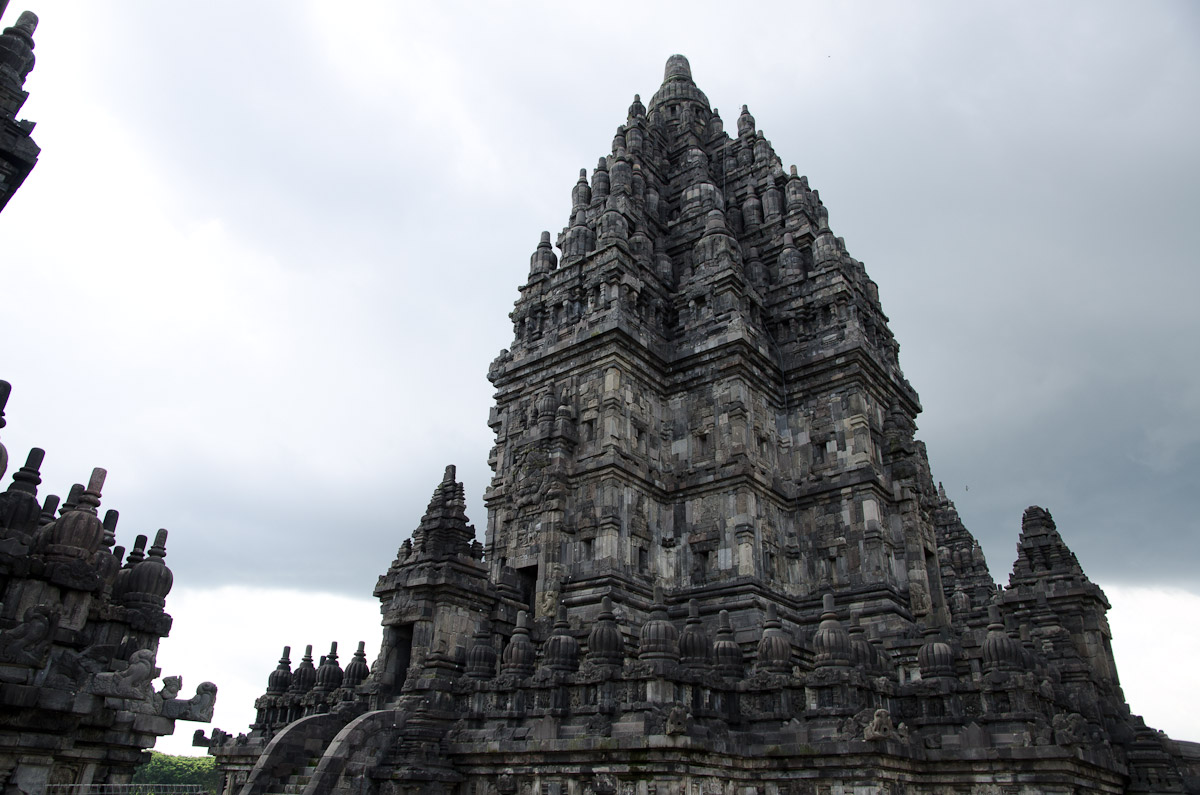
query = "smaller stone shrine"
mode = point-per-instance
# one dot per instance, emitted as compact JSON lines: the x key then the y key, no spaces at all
{"x":80,"y":624}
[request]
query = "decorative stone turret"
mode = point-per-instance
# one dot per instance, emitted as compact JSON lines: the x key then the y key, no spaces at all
{"x":678,"y":97}
{"x":281,"y":678}
{"x":831,"y":642}
{"x":481,"y":659}
{"x":305,"y":675}
{"x":659,"y":640}
{"x":520,"y":656}
{"x":19,"y":508}
{"x":78,"y":531}
{"x":600,"y":180}
{"x":935,"y":656}
{"x":150,"y":580}
{"x":695,"y":649}
{"x":18,"y":152}
{"x":329,"y":674}
{"x":727,"y":654}
{"x":543,"y":260}
{"x":774,"y":649}
{"x":745,"y":123}
{"x":561,"y":652}
{"x":357,"y":669}
{"x":605,"y":644}
{"x":862,"y":654}
{"x":581,"y":194}
{"x":1000,"y":651}
{"x":121,"y":584}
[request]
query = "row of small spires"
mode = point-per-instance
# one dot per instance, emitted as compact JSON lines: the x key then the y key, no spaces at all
{"x":773,"y":204}
{"x":629,"y":178}
{"x":660,"y":641}
{"x":77,"y":533}
{"x":833,"y":646}
{"x":584,"y":234}
{"x":326,"y":677}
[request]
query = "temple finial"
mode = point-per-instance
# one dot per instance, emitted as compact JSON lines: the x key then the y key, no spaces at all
{"x":49,"y":506}
{"x":138,"y":553}
{"x":28,"y":477}
{"x":89,"y":499}
{"x":159,"y":550}
{"x":677,"y":68}
{"x":110,"y":527}
{"x":636,"y":109}
{"x":72,"y":500}
{"x":18,"y":47}
{"x":745,"y":122}
{"x":27,"y":23}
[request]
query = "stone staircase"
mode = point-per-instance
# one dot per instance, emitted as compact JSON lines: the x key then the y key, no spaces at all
{"x":311,"y":754}
{"x":296,"y":783}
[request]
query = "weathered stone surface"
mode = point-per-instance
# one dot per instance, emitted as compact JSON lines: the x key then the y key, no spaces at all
{"x":702,"y":431}
{"x":77,"y":658}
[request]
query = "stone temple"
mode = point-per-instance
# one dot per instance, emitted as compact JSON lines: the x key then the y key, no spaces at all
{"x":716,"y":561}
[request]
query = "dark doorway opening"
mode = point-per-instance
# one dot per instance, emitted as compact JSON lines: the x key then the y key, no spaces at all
{"x":528,"y":578}
{"x":398,"y":661}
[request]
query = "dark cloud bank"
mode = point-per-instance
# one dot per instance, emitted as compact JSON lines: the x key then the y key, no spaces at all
{"x":1024,"y":198}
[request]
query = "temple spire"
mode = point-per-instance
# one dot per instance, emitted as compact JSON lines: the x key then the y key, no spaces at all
{"x":444,"y":531}
{"x":1041,"y":552}
{"x":18,"y":152}
{"x":678,"y":87}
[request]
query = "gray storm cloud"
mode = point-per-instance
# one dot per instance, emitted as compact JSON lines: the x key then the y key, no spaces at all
{"x":269,"y":253}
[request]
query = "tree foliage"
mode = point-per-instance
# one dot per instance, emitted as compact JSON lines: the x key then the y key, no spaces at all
{"x":166,"y":769}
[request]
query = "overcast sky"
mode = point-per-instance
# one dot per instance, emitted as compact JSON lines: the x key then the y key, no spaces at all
{"x":270,"y":249}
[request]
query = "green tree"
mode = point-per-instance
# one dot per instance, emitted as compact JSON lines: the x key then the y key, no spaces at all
{"x":166,"y":769}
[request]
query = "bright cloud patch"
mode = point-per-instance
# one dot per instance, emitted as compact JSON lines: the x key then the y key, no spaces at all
{"x":233,"y":636}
